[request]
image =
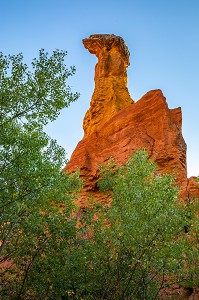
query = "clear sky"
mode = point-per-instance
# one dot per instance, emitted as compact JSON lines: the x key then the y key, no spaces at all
{"x":162,"y":37}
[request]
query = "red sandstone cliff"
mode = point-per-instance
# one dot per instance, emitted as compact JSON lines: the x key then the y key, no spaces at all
{"x":114,"y":126}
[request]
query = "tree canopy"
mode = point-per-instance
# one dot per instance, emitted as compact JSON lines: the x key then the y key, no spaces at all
{"x":32,"y":184}
{"x":135,"y":247}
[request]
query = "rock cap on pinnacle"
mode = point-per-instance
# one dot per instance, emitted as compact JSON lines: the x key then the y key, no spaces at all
{"x":111,"y":93}
{"x":98,"y":42}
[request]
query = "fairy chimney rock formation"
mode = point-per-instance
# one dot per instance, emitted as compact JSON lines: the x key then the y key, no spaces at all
{"x":115,"y":126}
{"x":111,"y":93}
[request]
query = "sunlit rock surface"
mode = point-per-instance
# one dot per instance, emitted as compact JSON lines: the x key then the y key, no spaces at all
{"x":111,"y":93}
{"x":115,"y":126}
{"x":149,"y":124}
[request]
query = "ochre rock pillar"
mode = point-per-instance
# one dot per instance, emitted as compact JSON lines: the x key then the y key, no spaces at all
{"x":111,"y":93}
{"x":115,"y":126}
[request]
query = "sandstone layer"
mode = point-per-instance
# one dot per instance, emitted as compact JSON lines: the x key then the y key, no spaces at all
{"x":111,"y":93}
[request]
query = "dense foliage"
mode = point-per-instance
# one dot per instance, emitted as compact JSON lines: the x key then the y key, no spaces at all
{"x":135,"y":248}
{"x":32,"y":185}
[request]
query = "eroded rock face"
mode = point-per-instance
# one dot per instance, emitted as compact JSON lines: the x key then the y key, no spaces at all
{"x":149,"y":124}
{"x":193,"y":187}
{"x":111,"y":93}
{"x":115,"y":127}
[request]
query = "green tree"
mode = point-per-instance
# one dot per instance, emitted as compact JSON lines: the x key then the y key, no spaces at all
{"x":35,"y":194}
{"x":136,"y":247}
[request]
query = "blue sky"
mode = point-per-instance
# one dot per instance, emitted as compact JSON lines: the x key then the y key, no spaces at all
{"x":162,"y":37}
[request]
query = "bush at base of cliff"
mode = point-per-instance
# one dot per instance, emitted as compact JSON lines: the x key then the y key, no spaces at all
{"x":137,"y":246}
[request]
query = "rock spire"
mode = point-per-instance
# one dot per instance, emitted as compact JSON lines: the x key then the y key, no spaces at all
{"x":111,"y":93}
{"x":115,"y":126}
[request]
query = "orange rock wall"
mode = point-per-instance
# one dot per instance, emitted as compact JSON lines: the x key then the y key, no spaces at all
{"x":149,"y":124}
